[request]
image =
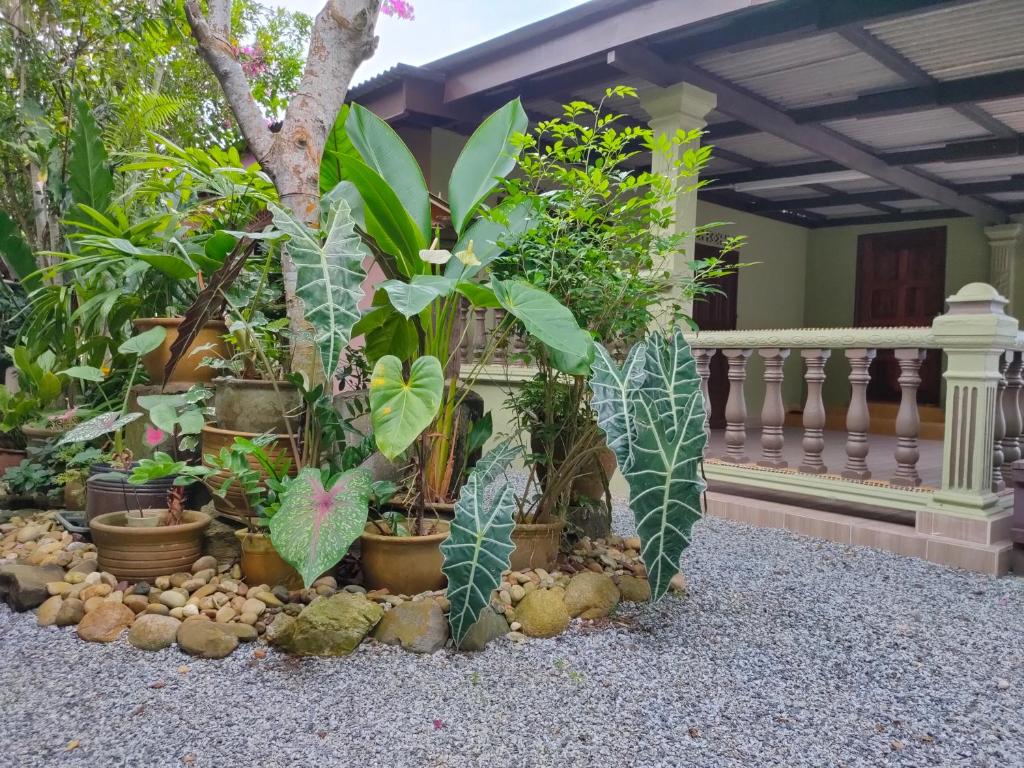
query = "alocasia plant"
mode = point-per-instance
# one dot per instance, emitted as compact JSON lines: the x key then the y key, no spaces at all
{"x":652,"y":413}
{"x":316,"y":524}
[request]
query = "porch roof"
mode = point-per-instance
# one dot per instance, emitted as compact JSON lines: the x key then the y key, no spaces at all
{"x":829,"y":111}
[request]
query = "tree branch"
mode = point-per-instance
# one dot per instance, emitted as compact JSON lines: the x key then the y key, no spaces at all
{"x":212,"y":39}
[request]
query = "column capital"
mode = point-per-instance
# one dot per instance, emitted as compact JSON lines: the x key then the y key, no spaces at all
{"x":683,"y":102}
{"x":1005,"y":234}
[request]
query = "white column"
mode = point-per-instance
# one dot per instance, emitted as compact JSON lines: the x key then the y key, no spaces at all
{"x":1006,"y":273}
{"x":679,"y":107}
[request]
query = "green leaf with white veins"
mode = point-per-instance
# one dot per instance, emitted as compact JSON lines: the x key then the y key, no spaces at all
{"x":399,"y":409}
{"x":479,"y":542}
{"x":329,"y":275}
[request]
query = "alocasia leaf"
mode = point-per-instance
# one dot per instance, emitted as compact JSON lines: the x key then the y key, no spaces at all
{"x":544,"y":318}
{"x":145,"y":342}
{"x":400,"y":410}
{"x":479,"y":543}
{"x":315,"y":525}
{"x":411,"y":298}
{"x":611,"y":387}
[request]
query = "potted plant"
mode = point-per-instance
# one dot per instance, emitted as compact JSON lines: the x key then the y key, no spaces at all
{"x":190,"y":370}
{"x":29,"y":484}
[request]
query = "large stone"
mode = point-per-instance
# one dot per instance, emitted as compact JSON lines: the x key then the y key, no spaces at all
{"x":243,"y":632}
{"x":543,"y":613}
{"x":419,"y":627}
{"x":280,"y":628}
{"x":106,"y":623}
{"x":489,"y":626}
{"x":172,"y":598}
{"x":333,"y":626}
{"x":87,"y":566}
{"x":591,"y":595}
{"x":47,"y":614}
{"x":23,"y":587}
{"x":206,"y":639}
{"x":31,"y":533}
{"x":633,"y":589}
{"x":151,"y":632}
{"x":71,"y":612}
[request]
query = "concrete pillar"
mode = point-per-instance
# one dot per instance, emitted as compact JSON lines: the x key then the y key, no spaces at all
{"x":1006,"y":270}
{"x":680,"y":107}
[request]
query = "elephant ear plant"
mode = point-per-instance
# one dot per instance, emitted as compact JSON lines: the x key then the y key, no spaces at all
{"x":652,"y":412}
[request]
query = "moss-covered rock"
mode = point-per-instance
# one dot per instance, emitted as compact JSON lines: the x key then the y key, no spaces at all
{"x":591,"y":595}
{"x":332,"y":626}
{"x":418,"y":626}
{"x":633,"y":589}
{"x":543,"y":613}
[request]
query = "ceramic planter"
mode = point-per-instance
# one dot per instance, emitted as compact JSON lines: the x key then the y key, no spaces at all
{"x":142,"y":554}
{"x":404,"y":565}
{"x":188,"y":369}
{"x":106,"y":493}
{"x":233,"y":504}
{"x":261,"y":564}
{"x":536,"y":545}
{"x":251,"y":405}
{"x":10,"y":457}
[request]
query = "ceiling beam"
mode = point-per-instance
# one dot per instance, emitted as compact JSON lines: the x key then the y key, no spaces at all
{"x":851,"y":221}
{"x":642,"y":62}
{"x":838,"y":197}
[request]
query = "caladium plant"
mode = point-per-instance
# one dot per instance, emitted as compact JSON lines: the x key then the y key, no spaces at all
{"x":479,"y":543}
{"x":318,"y":520}
{"x":652,"y":413}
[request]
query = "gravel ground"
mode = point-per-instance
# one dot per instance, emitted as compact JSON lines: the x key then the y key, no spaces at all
{"x":787,"y":651}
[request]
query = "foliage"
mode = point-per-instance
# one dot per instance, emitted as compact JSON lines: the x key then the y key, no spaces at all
{"x":28,"y":478}
{"x":652,"y":412}
{"x":319,"y":519}
{"x":403,"y":407}
{"x":178,"y":415}
{"x":479,"y":544}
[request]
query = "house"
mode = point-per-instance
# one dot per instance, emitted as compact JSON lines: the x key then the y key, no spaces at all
{"x":865,"y":375}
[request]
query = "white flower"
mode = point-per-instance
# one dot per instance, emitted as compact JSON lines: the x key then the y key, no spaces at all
{"x":467,"y":257}
{"x":435,"y":255}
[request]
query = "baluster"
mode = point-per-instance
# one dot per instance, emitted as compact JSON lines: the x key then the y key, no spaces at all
{"x":814,"y":412}
{"x":702,"y":357}
{"x":908,"y":422}
{"x":773,"y":412}
{"x":858,"y":419}
{"x":999,"y":430}
{"x":479,"y":331}
{"x":462,"y":326}
{"x":736,"y":407}
{"x":1012,"y":414}
{"x":501,"y":352}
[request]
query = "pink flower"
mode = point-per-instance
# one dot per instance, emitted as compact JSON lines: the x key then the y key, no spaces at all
{"x":153,"y":436}
{"x":401,"y":9}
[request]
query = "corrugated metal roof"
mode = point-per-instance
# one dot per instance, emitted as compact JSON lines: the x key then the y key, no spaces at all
{"x":962,"y":40}
{"x":765,"y":148}
{"x":1009,"y":111}
{"x":977,"y":170}
{"x":934,"y":126}
{"x":917,"y":204}
{"x":860,"y":185}
{"x":814,"y":70}
{"x":843,"y":211}
{"x":785,"y":193}
{"x":1009,"y":197}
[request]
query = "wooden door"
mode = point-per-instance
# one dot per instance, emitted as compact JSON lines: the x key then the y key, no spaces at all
{"x":717,"y":312}
{"x":901,"y":280}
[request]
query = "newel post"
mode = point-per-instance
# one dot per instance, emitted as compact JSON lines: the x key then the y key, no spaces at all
{"x":973,"y":333}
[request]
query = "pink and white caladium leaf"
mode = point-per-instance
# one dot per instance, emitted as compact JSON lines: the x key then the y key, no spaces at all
{"x":315,"y":525}
{"x":99,"y":426}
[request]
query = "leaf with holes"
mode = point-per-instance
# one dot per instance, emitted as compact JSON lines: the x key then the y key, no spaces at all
{"x":479,"y":543}
{"x":400,"y":410}
{"x":663,"y":418}
{"x":98,"y":426}
{"x":315,"y":526}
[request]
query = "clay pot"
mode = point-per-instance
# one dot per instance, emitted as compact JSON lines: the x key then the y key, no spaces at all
{"x":187,"y":370}
{"x":10,"y":457}
{"x":404,"y":565}
{"x":261,"y":564}
{"x":233,"y":504}
{"x":137,"y":554}
{"x":106,"y":493}
{"x":588,"y":484}
{"x":536,"y":545}
{"x":149,"y":518}
{"x":38,"y":437}
{"x":252,"y":405}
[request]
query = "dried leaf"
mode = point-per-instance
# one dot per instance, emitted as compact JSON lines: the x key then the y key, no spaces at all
{"x":260,"y":653}
{"x":73,"y":744}
{"x":158,"y":684}
{"x":183,"y":669}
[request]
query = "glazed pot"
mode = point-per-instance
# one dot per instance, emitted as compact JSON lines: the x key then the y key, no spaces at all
{"x":10,"y":457}
{"x":233,"y":504}
{"x":536,"y":545}
{"x":142,"y":554}
{"x":589,"y":484}
{"x":261,"y":564}
{"x":252,"y":405}
{"x":106,"y":493}
{"x":404,"y":565}
{"x":188,"y":369}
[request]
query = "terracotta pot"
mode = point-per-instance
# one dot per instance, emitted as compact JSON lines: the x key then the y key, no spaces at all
{"x":252,"y":405}
{"x":37,"y":437}
{"x":187,"y":370}
{"x":116,"y":494}
{"x":233,"y":504}
{"x":10,"y":457}
{"x":536,"y":545}
{"x":404,"y":565}
{"x":137,"y":554}
{"x":261,"y":564}
{"x":150,"y":518}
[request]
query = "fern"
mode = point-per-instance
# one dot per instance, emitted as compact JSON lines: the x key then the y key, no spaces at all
{"x":139,"y":113}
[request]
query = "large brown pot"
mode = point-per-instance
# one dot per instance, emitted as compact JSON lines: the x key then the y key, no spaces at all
{"x":404,"y":565}
{"x":10,"y":457}
{"x":261,"y":564}
{"x":589,"y":484}
{"x":108,"y":490}
{"x":252,"y":405}
{"x":188,"y":369}
{"x":142,"y":554}
{"x":38,"y":437}
{"x":536,"y":545}
{"x":233,"y":504}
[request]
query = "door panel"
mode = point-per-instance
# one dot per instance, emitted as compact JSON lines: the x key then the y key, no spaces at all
{"x":901,"y":278}
{"x":717,"y":312}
